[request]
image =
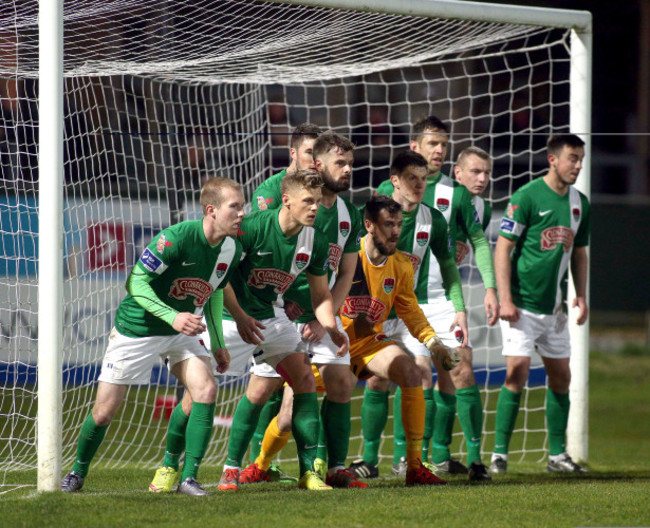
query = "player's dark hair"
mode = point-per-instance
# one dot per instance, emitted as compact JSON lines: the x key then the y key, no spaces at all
{"x":557,"y":142}
{"x":404,"y":159}
{"x":377,"y":204}
{"x":427,"y":123}
{"x":472,"y":151}
{"x":328,"y":141}
{"x":304,"y":131}
{"x":212,"y":191}
{"x":301,"y":179}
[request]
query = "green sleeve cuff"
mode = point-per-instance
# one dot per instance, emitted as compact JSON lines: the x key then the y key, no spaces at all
{"x":484,"y":262}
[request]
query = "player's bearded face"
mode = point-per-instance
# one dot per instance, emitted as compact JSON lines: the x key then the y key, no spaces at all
{"x":433,"y":146}
{"x":336,"y":169}
{"x":386,"y":232}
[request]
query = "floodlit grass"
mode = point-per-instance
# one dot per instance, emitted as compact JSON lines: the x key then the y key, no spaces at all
{"x":613,"y":493}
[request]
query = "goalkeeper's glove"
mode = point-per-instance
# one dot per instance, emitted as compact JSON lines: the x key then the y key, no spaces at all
{"x":449,"y":357}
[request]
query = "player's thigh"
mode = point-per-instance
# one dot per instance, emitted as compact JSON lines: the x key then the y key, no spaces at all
{"x":197,"y":375}
{"x":260,"y":388}
{"x":397,"y":330}
{"x":424,"y":365}
{"x":298,"y":369}
{"x":240,"y":351}
{"x":108,"y":401}
{"x":396,"y":365}
{"x":339,"y":382}
{"x":559,"y":374}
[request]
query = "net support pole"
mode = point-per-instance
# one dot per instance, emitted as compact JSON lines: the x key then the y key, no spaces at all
{"x":580,"y":120}
{"x":50,"y":243}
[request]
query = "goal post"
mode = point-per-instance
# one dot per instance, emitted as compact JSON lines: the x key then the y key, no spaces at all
{"x":159,"y":95}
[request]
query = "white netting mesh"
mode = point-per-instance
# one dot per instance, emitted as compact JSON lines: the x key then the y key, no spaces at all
{"x":159,"y":95}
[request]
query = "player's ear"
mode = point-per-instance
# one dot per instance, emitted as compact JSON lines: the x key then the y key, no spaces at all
{"x":370,"y":227}
{"x":293,"y":153}
{"x":394,"y":179}
{"x":413,"y":145}
{"x":456,"y":172}
{"x":286,"y":200}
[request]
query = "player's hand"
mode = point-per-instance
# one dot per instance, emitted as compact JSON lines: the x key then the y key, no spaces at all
{"x":491,"y":304}
{"x":460,"y":320}
{"x":448,"y":357}
{"x":313,"y":331}
{"x":250,"y":330}
{"x":509,"y":312}
{"x":581,"y":303}
{"x":189,"y":324}
{"x":222,"y":357}
{"x":340,"y":339}
{"x":292,"y":309}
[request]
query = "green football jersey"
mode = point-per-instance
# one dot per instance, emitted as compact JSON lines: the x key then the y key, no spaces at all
{"x":182,"y":271}
{"x":546,"y":227}
{"x":268,"y":195}
{"x":272,"y":261}
{"x":341,"y":225}
{"x":484,"y":212}
{"x":454,"y":201}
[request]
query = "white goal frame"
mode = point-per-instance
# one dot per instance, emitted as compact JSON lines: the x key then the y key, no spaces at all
{"x":50,"y":320}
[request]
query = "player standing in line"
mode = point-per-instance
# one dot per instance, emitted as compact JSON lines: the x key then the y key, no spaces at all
{"x":424,"y":232}
{"x":169,"y":288}
{"x":384,"y":279}
{"x":545,"y":229}
{"x":269,"y":196}
{"x":340,"y":222}
{"x":430,"y":137}
{"x":280,"y":244}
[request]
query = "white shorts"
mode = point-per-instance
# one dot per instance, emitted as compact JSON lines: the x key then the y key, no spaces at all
{"x":280,"y":340}
{"x":440,"y":315}
{"x":321,"y":353}
{"x":549,"y":333}
{"x":129,"y":360}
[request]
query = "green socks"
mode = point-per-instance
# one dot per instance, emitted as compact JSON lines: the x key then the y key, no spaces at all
{"x":269,"y":411}
{"x":304,"y":425}
{"x":175,"y":437}
{"x":244,"y":423}
{"x":507,"y":410}
{"x":557,"y":417}
{"x":443,"y":426}
{"x":197,"y":437}
{"x":336,"y":424}
{"x":374,"y":414}
{"x":470,"y":416}
{"x":90,"y":438}
{"x":399,"y":437}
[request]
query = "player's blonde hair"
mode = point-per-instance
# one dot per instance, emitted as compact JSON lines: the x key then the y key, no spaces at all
{"x":212,"y":191}
{"x":301,"y":179}
{"x":472,"y":151}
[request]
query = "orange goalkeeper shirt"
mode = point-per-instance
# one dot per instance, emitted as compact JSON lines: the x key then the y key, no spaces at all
{"x":374,"y":290}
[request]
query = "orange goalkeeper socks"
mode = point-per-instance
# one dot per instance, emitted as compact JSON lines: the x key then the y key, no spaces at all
{"x":413,"y":408}
{"x":272,"y":443}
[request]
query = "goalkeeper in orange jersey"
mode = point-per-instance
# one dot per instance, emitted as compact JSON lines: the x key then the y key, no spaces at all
{"x":383,"y":280}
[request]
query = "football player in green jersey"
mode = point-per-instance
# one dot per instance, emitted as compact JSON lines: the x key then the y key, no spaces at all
{"x":268,"y":194}
{"x":544,"y":231}
{"x":169,"y":288}
{"x":280,"y":244}
{"x":430,"y":137}
{"x":340,"y":222}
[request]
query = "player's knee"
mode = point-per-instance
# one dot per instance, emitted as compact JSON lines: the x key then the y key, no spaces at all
{"x":103,"y":416}
{"x":560,"y":382}
{"x":304,"y":382}
{"x":412,"y":377}
{"x":463,"y":375}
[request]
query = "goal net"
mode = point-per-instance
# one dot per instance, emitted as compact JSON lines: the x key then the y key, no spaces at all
{"x":161,"y":95}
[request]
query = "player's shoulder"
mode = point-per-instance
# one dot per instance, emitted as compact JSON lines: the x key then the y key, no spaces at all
{"x":402,"y":263}
{"x":385,"y":187}
{"x":267,"y":193}
{"x":446,"y":181}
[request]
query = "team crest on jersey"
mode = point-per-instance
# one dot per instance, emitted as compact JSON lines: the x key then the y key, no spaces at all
{"x":262,"y":277}
{"x":415,"y":260}
{"x":301,"y":260}
{"x":442,"y":204}
{"x":261,"y":203}
{"x":222,"y":267}
{"x":552,"y":236}
{"x":334,"y":256}
{"x":389,"y":284}
{"x":576,"y":214}
{"x":510,"y":211}
{"x":422,"y":238}
{"x":198,"y":288}
{"x":162,"y":243}
{"x":382,"y":337}
{"x":344,"y":227}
